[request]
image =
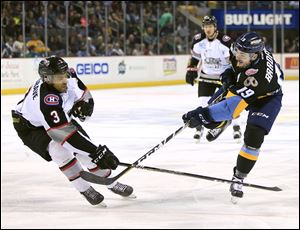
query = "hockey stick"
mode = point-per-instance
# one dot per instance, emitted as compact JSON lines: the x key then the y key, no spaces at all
{"x":275,"y":188}
{"x":208,"y":81}
{"x":217,"y":96}
{"x":107,"y":181}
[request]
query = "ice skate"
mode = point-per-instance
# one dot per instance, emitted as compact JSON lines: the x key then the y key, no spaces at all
{"x":213,"y":134}
{"x":198,"y":134}
{"x":122,"y":190}
{"x":236,"y":190}
{"x":237,"y":134}
{"x":94,"y":197}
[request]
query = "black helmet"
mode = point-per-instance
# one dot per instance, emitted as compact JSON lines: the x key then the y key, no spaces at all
{"x":52,"y":65}
{"x":250,"y":42}
{"x":207,"y":20}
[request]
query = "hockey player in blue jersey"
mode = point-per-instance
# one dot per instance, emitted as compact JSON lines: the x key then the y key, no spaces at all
{"x":254,"y":84}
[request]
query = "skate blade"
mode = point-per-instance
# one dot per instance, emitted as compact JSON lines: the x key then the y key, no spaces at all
{"x":101,"y":205}
{"x":197,"y":141}
{"x":234,"y":199}
{"x":238,"y":140}
{"x":131,"y":196}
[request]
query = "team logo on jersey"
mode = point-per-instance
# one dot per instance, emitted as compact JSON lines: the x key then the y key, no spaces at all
{"x":250,"y":81}
{"x":197,"y":36}
{"x":250,"y":72}
{"x":51,"y":99}
{"x":225,"y":38}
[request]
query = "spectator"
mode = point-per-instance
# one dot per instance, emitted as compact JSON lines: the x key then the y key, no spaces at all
{"x":60,"y":21}
{"x":165,"y":18}
{"x":91,"y":47}
{"x":295,"y":46}
{"x":7,"y":51}
{"x":82,"y":52}
{"x":19,"y":47}
{"x":148,"y":36}
{"x":36,"y":47}
{"x":57,"y":45}
{"x":117,"y":51}
{"x":137,"y":51}
{"x":166,"y":46}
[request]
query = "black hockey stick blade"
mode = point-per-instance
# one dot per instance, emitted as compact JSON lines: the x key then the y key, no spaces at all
{"x":90,"y":177}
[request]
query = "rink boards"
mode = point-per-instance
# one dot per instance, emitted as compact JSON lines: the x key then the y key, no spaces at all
{"x":118,"y":72}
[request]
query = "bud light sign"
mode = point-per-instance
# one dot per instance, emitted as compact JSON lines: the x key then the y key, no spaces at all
{"x":257,"y":19}
{"x":92,"y":68}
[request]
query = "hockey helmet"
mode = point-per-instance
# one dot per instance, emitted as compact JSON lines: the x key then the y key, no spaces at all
{"x":208,"y":20}
{"x":51,"y":66}
{"x":250,"y":42}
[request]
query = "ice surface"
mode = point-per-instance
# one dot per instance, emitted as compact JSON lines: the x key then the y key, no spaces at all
{"x":35,"y":194}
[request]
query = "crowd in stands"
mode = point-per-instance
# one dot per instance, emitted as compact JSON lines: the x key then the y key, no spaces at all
{"x":150,"y":35}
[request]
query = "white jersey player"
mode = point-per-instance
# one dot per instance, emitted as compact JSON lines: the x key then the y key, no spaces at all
{"x":210,"y":52}
{"x":44,"y":121}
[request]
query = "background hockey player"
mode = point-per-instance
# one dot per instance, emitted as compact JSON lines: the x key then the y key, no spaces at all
{"x":255,"y":85}
{"x":44,"y":121}
{"x":210,"y":50}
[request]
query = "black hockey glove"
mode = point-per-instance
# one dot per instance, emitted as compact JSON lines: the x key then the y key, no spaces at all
{"x":199,"y":116}
{"x":104,"y":158}
{"x":227,"y":78}
{"x":82,"y":109}
{"x":191,"y":74}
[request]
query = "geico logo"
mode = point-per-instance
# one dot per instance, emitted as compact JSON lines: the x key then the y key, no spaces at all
{"x":92,"y":68}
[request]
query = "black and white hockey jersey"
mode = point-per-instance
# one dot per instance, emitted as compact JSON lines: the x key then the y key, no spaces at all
{"x":213,"y":55}
{"x":44,"y":106}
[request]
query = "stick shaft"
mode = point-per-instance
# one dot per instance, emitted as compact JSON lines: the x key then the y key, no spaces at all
{"x":107,"y":181}
{"x":275,"y":188}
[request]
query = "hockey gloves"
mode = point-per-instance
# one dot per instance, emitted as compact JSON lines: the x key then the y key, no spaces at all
{"x":82,"y":109}
{"x":199,"y":116}
{"x":227,"y":78}
{"x":191,"y":74}
{"x":104,"y":158}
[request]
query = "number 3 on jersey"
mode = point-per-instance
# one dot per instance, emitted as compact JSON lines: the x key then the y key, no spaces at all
{"x":55,"y":116}
{"x":245,"y":92}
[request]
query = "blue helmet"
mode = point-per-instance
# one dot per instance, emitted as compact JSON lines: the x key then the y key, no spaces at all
{"x":250,"y":42}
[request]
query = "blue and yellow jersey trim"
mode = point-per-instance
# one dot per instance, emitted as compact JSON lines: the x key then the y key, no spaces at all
{"x":228,"y":109}
{"x":250,"y":154}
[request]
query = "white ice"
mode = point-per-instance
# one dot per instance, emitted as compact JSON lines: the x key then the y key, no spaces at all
{"x":35,"y":194}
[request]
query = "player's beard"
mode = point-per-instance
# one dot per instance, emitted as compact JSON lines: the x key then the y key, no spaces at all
{"x":240,"y":64}
{"x":62,"y":88}
{"x":212,"y":35}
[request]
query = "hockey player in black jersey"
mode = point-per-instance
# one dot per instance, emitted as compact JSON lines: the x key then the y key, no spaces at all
{"x":254,"y":83}
{"x":209,"y":52}
{"x":44,"y":120}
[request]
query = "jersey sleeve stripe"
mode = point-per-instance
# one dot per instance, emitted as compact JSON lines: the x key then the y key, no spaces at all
{"x":227,"y":109}
{"x":248,"y":156}
{"x":71,"y":134}
{"x":240,"y":106}
{"x":58,"y":127}
{"x":62,"y":133}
